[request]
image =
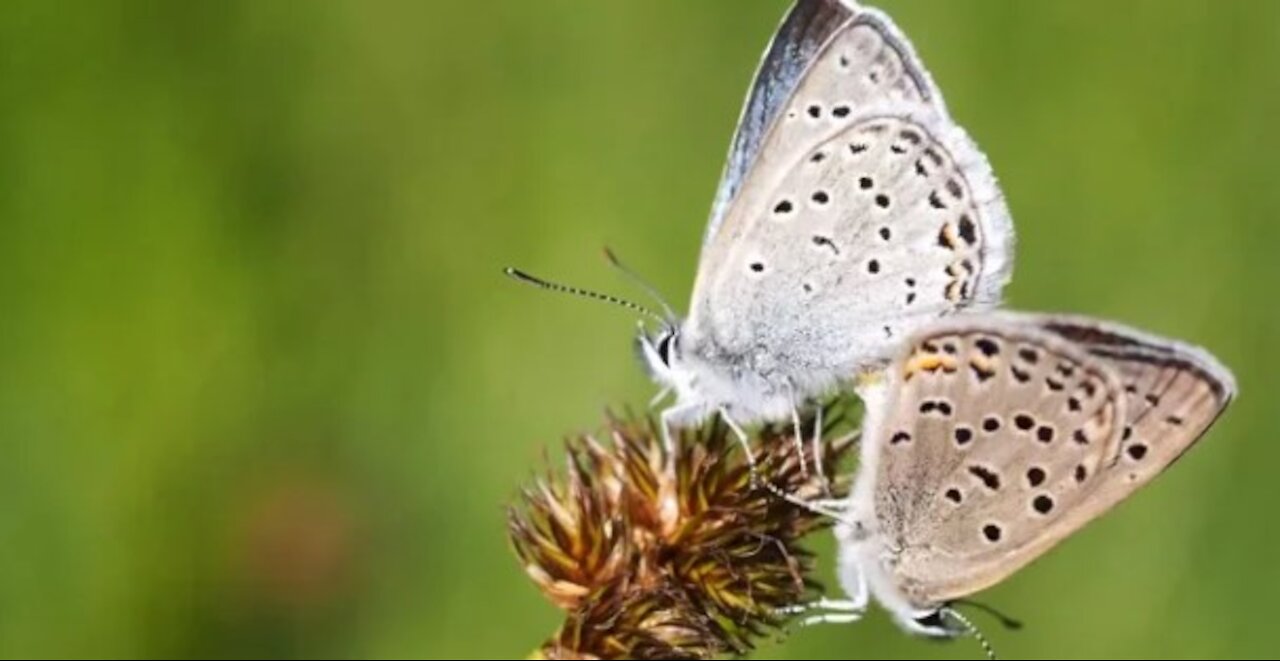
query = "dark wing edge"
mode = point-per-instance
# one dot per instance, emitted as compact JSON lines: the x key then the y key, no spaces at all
{"x":808,"y":26}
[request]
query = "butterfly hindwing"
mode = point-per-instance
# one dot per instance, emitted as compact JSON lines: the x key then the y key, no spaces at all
{"x":1049,"y":411}
{"x":888,"y":222}
{"x":992,"y":434}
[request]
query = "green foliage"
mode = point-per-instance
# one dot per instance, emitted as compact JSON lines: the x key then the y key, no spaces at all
{"x":265,"y":390}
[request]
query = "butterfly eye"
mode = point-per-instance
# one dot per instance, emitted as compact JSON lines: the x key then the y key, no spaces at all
{"x":664,"y":348}
{"x":934,"y":624}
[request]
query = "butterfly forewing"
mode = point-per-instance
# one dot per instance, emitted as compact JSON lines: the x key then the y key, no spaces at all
{"x":1173,"y":392}
{"x":825,"y":60}
{"x":804,"y":31}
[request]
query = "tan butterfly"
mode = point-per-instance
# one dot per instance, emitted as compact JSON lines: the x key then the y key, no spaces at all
{"x":994,"y":437}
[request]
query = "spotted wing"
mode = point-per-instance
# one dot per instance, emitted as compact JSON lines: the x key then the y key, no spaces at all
{"x":859,"y":214}
{"x":813,"y":29}
{"x":1007,"y":433}
{"x":888,"y":222}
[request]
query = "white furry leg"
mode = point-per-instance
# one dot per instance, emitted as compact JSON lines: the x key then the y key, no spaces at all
{"x":825,"y":604}
{"x":743,"y":441}
{"x":669,"y":417}
{"x":836,"y":505}
{"x":657,"y":399}
{"x":830,"y":618}
{"x":668,"y":443}
{"x":816,"y":447}
{"x":834,"y":509}
{"x":828,"y":611}
{"x":798,"y":439}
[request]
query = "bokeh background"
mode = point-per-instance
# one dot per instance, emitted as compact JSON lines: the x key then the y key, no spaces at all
{"x":264,"y":391}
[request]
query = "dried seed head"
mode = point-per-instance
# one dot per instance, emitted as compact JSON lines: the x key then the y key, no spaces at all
{"x":652,"y":565}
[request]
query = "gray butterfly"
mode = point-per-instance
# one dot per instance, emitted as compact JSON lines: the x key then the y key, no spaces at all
{"x":994,"y":437}
{"x":852,"y":210}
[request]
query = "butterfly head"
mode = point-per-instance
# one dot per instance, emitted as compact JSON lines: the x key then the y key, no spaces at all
{"x":933,"y":624}
{"x":660,"y":354}
{"x":945,"y":623}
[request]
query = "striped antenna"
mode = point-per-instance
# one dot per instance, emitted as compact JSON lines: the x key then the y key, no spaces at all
{"x":575,"y":291}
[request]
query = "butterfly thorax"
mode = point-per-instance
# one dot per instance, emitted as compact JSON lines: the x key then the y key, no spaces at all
{"x":866,"y":570}
{"x":751,"y":384}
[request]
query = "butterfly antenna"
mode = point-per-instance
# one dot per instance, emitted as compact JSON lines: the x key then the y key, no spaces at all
{"x":644,"y":284}
{"x":1008,"y":622}
{"x":575,"y":291}
{"x":973,"y":631}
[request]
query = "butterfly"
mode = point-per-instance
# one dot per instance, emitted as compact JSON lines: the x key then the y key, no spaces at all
{"x":994,"y":437}
{"x":852,"y":210}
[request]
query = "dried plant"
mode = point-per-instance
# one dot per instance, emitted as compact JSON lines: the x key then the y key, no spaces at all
{"x":651,"y":563}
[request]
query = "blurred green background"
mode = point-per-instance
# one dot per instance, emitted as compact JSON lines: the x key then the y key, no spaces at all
{"x":263,"y":390}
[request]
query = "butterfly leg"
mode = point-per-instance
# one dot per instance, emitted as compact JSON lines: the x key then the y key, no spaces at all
{"x":816,"y":448}
{"x":825,"y":604}
{"x":827,"y":611}
{"x":657,"y":399}
{"x":830,"y":618}
{"x":798,"y":439}
{"x":670,"y":417}
{"x":816,"y":506}
{"x":743,"y":441}
{"x":668,"y":444}
{"x":835,"y":505}
{"x":831,"y":508}
{"x":798,"y":433}
{"x":674,"y":416}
